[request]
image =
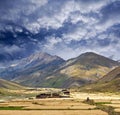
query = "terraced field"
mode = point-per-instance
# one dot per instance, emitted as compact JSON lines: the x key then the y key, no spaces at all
{"x":49,"y":107}
{"x":61,"y":106}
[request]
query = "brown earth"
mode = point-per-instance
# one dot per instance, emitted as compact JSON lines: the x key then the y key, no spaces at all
{"x":61,"y":106}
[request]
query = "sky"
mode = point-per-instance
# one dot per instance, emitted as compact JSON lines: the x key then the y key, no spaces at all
{"x":66,"y":28}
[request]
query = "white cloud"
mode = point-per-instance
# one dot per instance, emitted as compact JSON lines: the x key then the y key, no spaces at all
{"x":103,"y":36}
{"x":55,"y":21}
{"x":77,"y":35}
{"x":104,"y":26}
{"x":91,"y":5}
{"x":59,"y":17}
{"x":52,"y":41}
{"x":47,"y":22}
{"x":85,"y":16}
{"x":33,"y":27}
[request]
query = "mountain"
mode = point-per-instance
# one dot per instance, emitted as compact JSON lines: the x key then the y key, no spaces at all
{"x":112,"y":75}
{"x":94,"y":59}
{"x":9,"y":85}
{"x":81,"y":70}
{"x":44,"y":70}
{"x":84,"y":69}
{"x":110,"y":82}
{"x":37,"y":65}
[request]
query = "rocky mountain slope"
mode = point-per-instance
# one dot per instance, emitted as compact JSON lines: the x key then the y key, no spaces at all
{"x":38,"y":65}
{"x":84,"y":69}
{"x":110,"y":83}
{"x":44,"y":70}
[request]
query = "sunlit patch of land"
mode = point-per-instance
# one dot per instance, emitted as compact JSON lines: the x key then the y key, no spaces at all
{"x":23,"y":102}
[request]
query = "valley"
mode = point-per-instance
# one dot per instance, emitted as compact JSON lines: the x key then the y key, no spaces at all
{"x":44,"y":70}
{"x":35,"y":86}
{"x":59,"y":57}
{"x":25,"y":103}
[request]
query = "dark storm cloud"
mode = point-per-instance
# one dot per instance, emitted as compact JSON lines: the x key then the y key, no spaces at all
{"x":51,"y":25}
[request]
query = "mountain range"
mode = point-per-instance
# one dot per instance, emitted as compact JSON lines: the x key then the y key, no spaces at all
{"x":29,"y":29}
{"x":44,"y":70}
{"x":84,"y":69}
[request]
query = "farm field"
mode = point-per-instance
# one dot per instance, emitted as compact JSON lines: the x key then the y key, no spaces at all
{"x":60,"y":106}
{"x":50,"y":107}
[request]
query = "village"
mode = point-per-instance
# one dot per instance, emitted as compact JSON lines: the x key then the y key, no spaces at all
{"x":52,"y":101}
{"x":64,"y":93}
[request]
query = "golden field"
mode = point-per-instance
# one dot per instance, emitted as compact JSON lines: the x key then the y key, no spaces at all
{"x":60,"y":106}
